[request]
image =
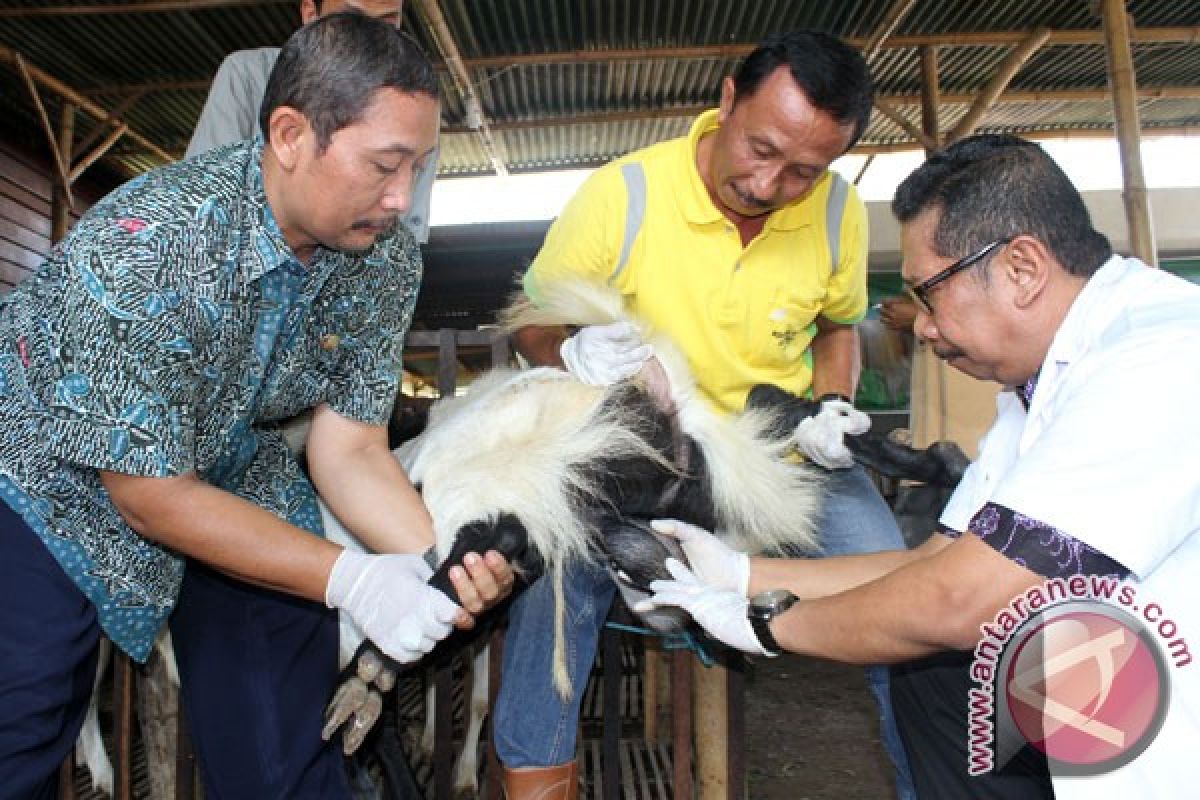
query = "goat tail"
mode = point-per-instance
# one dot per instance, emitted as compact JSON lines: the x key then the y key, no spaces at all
{"x":89,"y":749}
{"x":568,"y":302}
{"x":562,"y":670}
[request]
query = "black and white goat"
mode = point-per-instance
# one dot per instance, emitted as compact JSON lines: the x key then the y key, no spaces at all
{"x":578,"y":470}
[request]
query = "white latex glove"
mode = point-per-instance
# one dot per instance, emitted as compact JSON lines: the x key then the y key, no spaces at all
{"x":822,"y":437}
{"x":601,"y":355}
{"x":711,"y":560}
{"x":721,"y":612}
{"x":388,"y":598}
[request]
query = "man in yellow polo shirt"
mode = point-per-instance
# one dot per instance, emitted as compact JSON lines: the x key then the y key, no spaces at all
{"x":740,"y":243}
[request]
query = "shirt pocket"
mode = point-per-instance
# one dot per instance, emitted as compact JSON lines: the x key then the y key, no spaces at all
{"x":775,"y":331}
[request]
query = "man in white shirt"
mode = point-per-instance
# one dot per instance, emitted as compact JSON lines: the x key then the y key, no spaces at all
{"x":231,"y":111}
{"x":1089,"y":470}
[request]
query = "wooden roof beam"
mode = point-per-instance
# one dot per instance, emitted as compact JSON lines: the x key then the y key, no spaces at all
{"x":1007,"y":71}
{"x":55,"y":85}
{"x":444,"y":39}
{"x":1161,"y":35}
{"x":893,"y":101}
{"x":896,"y":14}
{"x":108,"y":9}
{"x":885,"y":108}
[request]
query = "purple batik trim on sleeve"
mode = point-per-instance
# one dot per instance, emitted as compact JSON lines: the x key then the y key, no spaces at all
{"x":948,"y":532}
{"x":1039,"y":547}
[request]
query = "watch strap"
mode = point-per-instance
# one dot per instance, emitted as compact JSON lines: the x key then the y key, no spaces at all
{"x":762,"y":630}
{"x":830,"y":396}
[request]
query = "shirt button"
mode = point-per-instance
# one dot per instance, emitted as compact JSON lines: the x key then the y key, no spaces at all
{"x":330,"y":341}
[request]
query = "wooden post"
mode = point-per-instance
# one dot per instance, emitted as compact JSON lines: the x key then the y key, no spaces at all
{"x":60,"y":203}
{"x":930,"y":97}
{"x":712,"y":731}
{"x":123,"y":719}
{"x":736,"y":690}
{"x":681,"y":724}
{"x":652,"y":655}
{"x":1123,"y":82}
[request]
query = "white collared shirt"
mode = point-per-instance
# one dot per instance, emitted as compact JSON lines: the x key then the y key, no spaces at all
{"x":1109,"y":453}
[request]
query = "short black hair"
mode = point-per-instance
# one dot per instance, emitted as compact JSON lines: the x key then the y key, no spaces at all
{"x":993,"y":186}
{"x":330,"y":69}
{"x":832,"y":74}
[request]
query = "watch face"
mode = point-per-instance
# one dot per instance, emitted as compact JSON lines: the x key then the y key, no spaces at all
{"x":772,"y":601}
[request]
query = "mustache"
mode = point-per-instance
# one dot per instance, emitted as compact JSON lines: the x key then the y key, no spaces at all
{"x":385,"y":224}
{"x":750,"y":201}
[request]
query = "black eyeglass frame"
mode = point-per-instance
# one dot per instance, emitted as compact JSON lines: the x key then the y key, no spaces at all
{"x":920,"y":292}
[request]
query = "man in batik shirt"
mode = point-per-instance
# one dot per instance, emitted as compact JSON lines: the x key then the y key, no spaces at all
{"x":143,"y":372}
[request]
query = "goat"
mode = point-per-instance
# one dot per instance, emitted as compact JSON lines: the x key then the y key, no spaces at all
{"x":577,"y":470}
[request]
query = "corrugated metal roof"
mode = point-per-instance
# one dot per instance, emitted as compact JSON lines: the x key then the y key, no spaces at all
{"x":607,"y":79}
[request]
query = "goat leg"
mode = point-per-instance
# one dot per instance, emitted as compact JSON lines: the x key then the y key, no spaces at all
{"x":350,"y":696}
{"x":941,"y":464}
{"x":361,"y":722}
{"x":637,"y":555}
{"x":370,"y":666}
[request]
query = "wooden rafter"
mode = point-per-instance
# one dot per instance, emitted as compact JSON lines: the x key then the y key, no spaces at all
{"x":895,"y":116}
{"x":893,"y":101}
{"x":1007,"y":70}
{"x":896,"y":14}
{"x":1164,"y":35}
{"x":60,"y":167}
{"x":37,"y":76}
{"x":113,"y":120}
{"x":476,"y":119}
{"x":109,"y":9}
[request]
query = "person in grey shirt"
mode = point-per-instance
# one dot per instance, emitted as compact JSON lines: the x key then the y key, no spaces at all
{"x":231,"y":111}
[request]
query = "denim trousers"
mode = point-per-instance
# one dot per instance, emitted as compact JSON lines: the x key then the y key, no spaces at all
{"x":536,"y":727}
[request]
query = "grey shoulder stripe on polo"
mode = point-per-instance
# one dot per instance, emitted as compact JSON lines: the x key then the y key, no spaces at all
{"x":635,"y":211}
{"x":835,"y":209}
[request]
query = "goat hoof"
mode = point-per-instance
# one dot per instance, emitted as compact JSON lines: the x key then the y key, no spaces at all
{"x":361,"y":723}
{"x":349,"y":698}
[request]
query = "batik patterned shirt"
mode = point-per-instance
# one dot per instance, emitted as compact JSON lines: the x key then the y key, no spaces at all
{"x":170,"y":333}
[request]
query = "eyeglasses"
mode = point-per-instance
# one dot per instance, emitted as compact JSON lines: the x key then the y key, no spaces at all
{"x":920,"y":292}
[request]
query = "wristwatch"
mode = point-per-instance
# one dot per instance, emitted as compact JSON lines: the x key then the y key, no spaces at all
{"x":763,"y":608}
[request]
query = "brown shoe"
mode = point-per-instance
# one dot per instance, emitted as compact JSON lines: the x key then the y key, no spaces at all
{"x":542,"y":783}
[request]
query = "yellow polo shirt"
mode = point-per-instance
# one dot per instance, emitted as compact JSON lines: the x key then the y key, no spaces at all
{"x":742,"y":316}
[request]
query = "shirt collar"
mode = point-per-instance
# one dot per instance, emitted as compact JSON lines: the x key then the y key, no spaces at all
{"x":1085,"y":319}
{"x":697,"y":205}
{"x":271,"y":250}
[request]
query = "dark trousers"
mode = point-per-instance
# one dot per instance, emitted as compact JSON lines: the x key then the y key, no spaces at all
{"x":48,"y":641}
{"x":930,"y":697}
{"x":257,"y":669}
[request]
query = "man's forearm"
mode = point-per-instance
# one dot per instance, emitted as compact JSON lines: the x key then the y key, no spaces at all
{"x":821,"y":577}
{"x":924,"y":606}
{"x":371,"y":495}
{"x":364,"y":485}
{"x":836,"y":359}
{"x":224,"y":531}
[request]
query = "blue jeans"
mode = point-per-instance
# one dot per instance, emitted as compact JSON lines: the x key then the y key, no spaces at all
{"x":535,"y":727}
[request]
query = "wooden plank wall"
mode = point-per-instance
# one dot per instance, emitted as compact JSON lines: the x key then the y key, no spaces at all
{"x":25,"y":183}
